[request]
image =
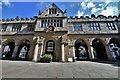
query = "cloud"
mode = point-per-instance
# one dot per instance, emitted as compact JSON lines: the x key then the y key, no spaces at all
{"x":94,"y":10}
{"x":80,"y":13}
{"x":87,"y":4}
{"x":0,"y":9}
{"x":90,"y":5}
{"x":0,"y":5}
{"x":110,"y":10}
{"x":107,"y":1}
{"x":6,"y":2}
{"x":87,"y":0}
{"x":87,"y":15}
{"x":84,"y":5}
{"x":100,"y":4}
{"x":105,"y":9}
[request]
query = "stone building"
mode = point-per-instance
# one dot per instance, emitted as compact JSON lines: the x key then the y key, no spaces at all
{"x":52,"y":32}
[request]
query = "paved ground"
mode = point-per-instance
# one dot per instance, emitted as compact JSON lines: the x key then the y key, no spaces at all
{"x":81,"y":69}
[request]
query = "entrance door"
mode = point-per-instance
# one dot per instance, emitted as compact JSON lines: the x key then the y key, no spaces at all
{"x":50,"y":46}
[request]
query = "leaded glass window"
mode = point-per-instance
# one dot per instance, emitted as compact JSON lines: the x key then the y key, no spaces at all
{"x":110,"y":26}
{"x":78,"y":27}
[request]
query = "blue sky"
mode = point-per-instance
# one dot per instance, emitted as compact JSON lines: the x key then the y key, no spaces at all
{"x":85,"y":8}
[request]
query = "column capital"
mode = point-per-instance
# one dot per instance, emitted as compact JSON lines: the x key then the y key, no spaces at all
{"x":71,"y":45}
{"x":41,"y":43}
{"x":64,"y":42}
{"x":90,"y":45}
{"x":39,"y":40}
{"x":16,"y":45}
{"x":37,"y":43}
{"x":106,"y":44}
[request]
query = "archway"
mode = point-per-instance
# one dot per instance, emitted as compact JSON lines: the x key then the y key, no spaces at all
{"x":8,"y":50}
{"x":50,"y":47}
{"x":22,"y":53}
{"x":114,"y":45}
{"x":99,"y":50}
{"x":81,"y":50}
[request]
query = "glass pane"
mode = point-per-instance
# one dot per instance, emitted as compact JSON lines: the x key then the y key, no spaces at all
{"x":50,"y":49}
{"x":50,"y":44}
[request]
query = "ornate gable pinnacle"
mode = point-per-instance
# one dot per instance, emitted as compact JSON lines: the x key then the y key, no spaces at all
{"x":39,"y":12}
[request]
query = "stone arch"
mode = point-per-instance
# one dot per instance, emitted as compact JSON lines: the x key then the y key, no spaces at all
{"x":90,"y":42}
{"x":99,"y":49}
{"x":6,"y":41}
{"x":85,"y":40}
{"x":23,"y":49}
{"x":114,"y":46}
{"x":81,"y":50}
{"x":8,"y":48}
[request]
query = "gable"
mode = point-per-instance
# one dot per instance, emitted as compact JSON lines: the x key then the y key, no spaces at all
{"x":52,"y":11}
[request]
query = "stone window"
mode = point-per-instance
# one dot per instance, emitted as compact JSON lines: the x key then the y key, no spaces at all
{"x":61,"y":23}
{"x":30,"y":27}
{"x":78,"y":27}
{"x":16,"y":27}
{"x":110,"y":26}
{"x":3,"y":27}
{"x":93,"y":26}
{"x":52,"y":11}
{"x":52,"y":22}
{"x":96,"y":26}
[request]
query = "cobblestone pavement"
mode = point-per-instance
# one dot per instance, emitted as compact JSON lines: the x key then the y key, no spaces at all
{"x":79,"y":69}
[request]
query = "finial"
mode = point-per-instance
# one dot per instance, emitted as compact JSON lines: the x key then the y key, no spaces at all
{"x":39,"y":13}
{"x":65,"y":11}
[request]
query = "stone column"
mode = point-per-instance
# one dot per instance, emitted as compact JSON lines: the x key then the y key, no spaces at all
{"x":63,"y":52}
{"x":108,"y":52}
{"x":41,"y":49}
{"x":2,"y":48}
{"x":1,"y":51}
{"x":73,"y":51}
{"x":36,"y":52}
{"x":90,"y":51}
{"x":15,"y":52}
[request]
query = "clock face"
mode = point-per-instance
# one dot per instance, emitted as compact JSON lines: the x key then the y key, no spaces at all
{"x":51,"y":28}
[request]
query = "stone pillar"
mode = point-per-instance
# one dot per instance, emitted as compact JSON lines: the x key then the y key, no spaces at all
{"x":1,"y":51}
{"x":63,"y":52}
{"x":41,"y":49}
{"x":36,"y":52}
{"x":108,"y":52}
{"x":2,"y":47}
{"x":15,"y":52}
{"x":90,"y":51}
{"x":73,"y":51}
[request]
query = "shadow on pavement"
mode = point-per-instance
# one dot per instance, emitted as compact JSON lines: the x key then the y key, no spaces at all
{"x":113,"y":63}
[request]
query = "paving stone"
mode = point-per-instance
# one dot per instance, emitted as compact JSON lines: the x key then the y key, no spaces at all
{"x":80,"y":69}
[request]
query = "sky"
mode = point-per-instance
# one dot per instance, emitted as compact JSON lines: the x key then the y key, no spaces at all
{"x":85,"y":8}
